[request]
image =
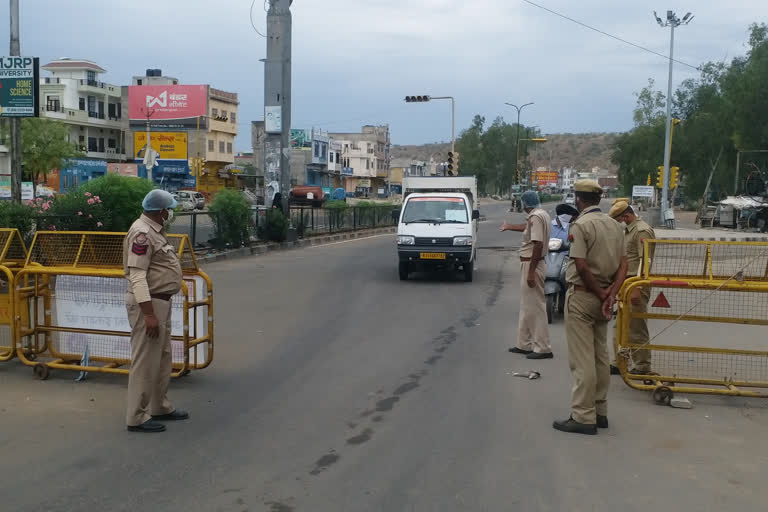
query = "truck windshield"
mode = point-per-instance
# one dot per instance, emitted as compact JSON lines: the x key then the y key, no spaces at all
{"x":436,"y":210}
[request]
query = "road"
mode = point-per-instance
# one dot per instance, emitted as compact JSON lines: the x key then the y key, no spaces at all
{"x":336,"y":387}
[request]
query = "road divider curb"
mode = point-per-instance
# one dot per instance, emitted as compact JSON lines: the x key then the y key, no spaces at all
{"x":260,"y":249}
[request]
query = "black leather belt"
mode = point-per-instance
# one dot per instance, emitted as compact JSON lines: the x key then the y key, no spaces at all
{"x":525,"y":259}
{"x":162,"y":296}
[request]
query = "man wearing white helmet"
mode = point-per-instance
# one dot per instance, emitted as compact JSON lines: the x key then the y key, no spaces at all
{"x":154,"y":273}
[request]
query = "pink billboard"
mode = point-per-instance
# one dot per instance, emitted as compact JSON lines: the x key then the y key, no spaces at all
{"x":167,"y":104}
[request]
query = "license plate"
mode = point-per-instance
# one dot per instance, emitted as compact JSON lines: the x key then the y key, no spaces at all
{"x":432,"y":255}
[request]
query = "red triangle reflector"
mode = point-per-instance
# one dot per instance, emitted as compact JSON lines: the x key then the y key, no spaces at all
{"x":661,"y":301}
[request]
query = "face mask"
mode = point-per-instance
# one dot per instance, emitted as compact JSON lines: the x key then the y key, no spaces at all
{"x":623,"y":225}
{"x":169,"y":219}
{"x":564,"y":219}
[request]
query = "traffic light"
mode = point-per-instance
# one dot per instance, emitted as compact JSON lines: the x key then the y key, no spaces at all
{"x":660,"y":177}
{"x":453,"y":163}
{"x":417,"y":99}
{"x":648,"y":182}
{"x":674,"y":175}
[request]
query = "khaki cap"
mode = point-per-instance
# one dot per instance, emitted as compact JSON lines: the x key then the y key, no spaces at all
{"x":620,"y":199}
{"x":618,"y":208}
{"x":590,"y":186}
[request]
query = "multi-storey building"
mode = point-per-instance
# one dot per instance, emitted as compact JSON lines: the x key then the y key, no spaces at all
{"x":365,"y":159}
{"x":96,"y":113}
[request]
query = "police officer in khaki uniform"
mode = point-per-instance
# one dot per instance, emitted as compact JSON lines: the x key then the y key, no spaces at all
{"x":635,"y":231}
{"x":154,"y":273}
{"x":596,"y":270}
{"x":533,"y":331}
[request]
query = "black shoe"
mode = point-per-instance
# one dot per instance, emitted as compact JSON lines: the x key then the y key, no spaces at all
{"x":602,"y":421}
{"x":574,"y":427}
{"x":615,"y":370}
{"x":540,"y":355}
{"x":147,"y":427}
{"x":516,"y":350}
{"x":176,"y":415}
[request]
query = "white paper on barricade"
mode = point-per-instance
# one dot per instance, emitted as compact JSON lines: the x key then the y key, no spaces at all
{"x":84,"y":302}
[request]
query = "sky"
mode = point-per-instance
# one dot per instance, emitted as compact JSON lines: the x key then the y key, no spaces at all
{"x":354,"y":62}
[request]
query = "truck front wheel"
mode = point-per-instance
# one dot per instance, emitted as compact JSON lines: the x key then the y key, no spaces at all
{"x":403,"y":268}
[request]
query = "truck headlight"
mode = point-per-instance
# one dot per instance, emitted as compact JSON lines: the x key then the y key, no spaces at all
{"x":462,"y":240}
{"x":405,"y":240}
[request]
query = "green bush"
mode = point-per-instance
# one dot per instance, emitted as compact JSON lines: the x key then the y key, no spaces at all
{"x":337,"y":204}
{"x":121,"y":196}
{"x":275,"y":228}
{"x":19,"y":216}
{"x":74,"y":211}
{"x":231,"y":214}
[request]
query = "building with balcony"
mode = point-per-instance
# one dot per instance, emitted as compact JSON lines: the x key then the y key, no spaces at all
{"x":365,"y":159}
{"x":404,"y":167}
{"x":73,"y":93}
{"x":212,"y":138}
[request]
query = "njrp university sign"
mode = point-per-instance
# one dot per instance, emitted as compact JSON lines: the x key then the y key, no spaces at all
{"x":168,"y":106}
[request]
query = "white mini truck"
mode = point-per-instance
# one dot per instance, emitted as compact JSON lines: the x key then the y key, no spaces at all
{"x":438,"y":225}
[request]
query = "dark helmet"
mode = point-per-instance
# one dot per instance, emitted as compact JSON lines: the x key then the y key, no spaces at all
{"x":566,"y":209}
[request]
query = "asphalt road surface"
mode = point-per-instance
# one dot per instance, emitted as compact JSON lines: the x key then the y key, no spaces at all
{"x":336,"y":387}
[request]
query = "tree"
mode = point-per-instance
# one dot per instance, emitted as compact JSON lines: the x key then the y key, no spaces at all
{"x":45,"y":147}
{"x":490,"y":153}
{"x":650,"y":105}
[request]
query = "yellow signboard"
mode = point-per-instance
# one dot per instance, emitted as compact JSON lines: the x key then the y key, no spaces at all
{"x":170,"y":145}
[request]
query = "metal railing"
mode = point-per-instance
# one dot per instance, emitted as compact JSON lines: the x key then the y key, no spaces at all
{"x":200,"y":226}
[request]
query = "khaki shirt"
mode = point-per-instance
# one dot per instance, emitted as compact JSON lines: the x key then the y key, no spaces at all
{"x":146,"y":248}
{"x":633,"y":244}
{"x":599,"y":240}
{"x":538,"y":228}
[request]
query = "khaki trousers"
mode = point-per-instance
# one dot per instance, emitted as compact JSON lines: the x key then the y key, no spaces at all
{"x":586,"y":330}
{"x":638,"y":335}
{"x":151,"y":364}
{"x":533,"y":331}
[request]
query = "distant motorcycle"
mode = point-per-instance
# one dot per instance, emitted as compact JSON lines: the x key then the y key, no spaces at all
{"x":555,"y":284}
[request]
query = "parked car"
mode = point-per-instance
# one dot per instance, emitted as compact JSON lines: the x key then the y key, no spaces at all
{"x":185,"y":202}
{"x":570,"y":198}
{"x":195,"y":198}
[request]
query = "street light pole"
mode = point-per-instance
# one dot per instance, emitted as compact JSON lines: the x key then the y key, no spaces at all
{"x":16,"y":155}
{"x":517,"y":142}
{"x":672,"y":22}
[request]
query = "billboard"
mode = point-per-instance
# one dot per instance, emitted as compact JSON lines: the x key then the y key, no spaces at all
{"x":642,"y":191}
{"x":545,"y":178}
{"x":169,"y":145}
{"x":123,"y":169}
{"x":19,"y":86}
{"x":168,"y":106}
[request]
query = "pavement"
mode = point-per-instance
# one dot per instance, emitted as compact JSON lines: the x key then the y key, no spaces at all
{"x":336,"y":387}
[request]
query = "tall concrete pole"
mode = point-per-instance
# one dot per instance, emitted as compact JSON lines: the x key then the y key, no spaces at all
{"x":667,"y":138}
{"x":277,"y":93}
{"x":16,"y":177}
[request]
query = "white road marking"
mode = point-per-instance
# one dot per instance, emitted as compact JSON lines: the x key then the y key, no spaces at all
{"x":348,"y":241}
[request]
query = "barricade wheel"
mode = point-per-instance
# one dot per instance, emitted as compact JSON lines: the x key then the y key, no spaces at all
{"x":30,"y":355}
{"x":41,"y":371}
{"x":662,"y":395}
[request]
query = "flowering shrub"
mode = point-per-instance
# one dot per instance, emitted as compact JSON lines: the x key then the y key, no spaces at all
{"x":75,"y":211}
{"x":19,"y":216}
{"x":121,"y":197}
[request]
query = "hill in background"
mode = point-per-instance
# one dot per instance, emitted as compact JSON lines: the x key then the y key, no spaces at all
{"x":582,"y":151}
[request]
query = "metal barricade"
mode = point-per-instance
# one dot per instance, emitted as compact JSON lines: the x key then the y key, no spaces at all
{"x":690,"y":287}
{"x":13,"y":254}
{"x":73,"y":289}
